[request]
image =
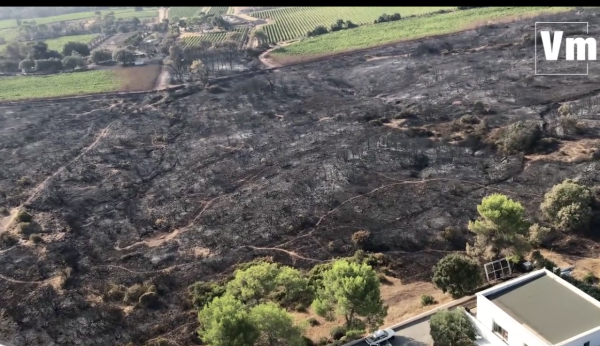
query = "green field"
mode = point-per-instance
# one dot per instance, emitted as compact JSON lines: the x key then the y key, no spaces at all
{"x":119,"y":13}
{"x":215,"y":37}
{"x":295,"y":22}
{"x":411,"y":28}
{"x":64,"y":84}
{"x":184,"y":12}
{"x":59,"y":42}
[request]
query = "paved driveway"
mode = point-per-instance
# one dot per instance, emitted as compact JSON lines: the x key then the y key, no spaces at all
{"x":414,"y":334}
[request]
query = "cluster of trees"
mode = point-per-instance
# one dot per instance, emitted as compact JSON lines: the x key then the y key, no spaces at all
{"x":388,"y":18}
{"x":108,"y":24}
{"x":340,"y":24}
{"x":195,"y":62}
{"x":36,"y":57}
{"x":502,"y":230}
{"x":29,"y":30}
{"x":203,"y":21}
{"x":251,"y":308}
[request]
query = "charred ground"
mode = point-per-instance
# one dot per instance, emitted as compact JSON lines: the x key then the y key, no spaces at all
{"x":171,"y":189}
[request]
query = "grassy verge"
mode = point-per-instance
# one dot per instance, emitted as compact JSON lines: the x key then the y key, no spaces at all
{"x":406,"y":29}
{"x":64,"y":84}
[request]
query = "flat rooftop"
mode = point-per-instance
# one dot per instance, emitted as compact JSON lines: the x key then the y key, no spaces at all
{"x":548,"y":307}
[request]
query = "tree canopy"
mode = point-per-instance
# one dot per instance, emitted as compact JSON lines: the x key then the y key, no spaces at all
{"x":457,"y":274}
{"x":500,"y":229}
{"x":225,"y":322}
{"x":351,"y":290}
{"x":276,"y":326}
{"x":567,"y":206}
{"x":451,"y":328}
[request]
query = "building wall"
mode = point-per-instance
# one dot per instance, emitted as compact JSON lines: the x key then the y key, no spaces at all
{"x":593,"y":336}
{"x":518,"y":335}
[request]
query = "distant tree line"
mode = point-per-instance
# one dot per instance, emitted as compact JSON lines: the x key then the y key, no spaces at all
{"x":33,"y":12}
{"x":36,"y":57}
{"x":340,"y":24}
{"x":387,"y":18}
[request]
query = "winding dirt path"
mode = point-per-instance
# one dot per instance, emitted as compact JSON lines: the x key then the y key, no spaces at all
{"x":41,"y":187}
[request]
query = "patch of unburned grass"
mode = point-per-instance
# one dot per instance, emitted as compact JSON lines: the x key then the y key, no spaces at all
{"x":63,"y":84}
{"x":411,"y":28}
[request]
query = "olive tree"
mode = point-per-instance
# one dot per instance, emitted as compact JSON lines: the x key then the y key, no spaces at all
{"x":568,"y":206}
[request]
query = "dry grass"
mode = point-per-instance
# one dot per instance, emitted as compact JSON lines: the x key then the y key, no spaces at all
{"x":583,"y":265}
{"x":571,"y":151}
{"x":404,"y":302}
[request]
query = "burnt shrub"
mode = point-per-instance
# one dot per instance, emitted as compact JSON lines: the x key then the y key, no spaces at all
{"x":24,"y":216}
{"x":360,"y":239}
{"x":337,"y":332}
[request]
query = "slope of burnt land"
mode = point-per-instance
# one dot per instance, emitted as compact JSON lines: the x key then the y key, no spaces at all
{"x":167,"y":190}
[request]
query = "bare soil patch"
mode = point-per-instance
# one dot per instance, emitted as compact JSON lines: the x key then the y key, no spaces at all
{"x":139,"y":78}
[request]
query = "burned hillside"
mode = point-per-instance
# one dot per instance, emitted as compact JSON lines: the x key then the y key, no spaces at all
{"x":105,"y":193}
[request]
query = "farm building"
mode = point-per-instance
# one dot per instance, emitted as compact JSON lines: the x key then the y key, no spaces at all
{"x":537,"y":309}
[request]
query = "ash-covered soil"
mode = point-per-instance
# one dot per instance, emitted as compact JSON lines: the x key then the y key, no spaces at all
{"x":175,"y":189}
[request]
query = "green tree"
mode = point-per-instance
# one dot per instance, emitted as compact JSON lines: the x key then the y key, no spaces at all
{"x":568,"y":206}
{"x":71,"y":62}
{"x":226,"y":322}
{"x":27,"y":64}
{"x":351,"y":290}
{"x":457,"y":274}
{"x":500,"y":229}
{"x":293,"y":285}
{"x":451,"y":328}
{"x":123,"y":56}
{"x":276,"y":326}
{"x":78,"y":47}
{"x":101,"y":55}
{"x":254,"y":283}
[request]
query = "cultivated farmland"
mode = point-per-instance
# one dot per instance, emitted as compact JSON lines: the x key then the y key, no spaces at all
{"x":25,"y":87}
{"x":79,"y":83}
{"x":217,"y":10}
{"x":405,"y":29}
{"x":295,"y":22}
{"x":216,"y":37}
{"x":184,"y":12}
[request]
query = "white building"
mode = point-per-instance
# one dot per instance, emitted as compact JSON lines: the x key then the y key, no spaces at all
{"x":537,"y":309}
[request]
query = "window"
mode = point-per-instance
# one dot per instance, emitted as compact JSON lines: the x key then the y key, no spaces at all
{"x":587,"y":343}
{"x":503,"y":333}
